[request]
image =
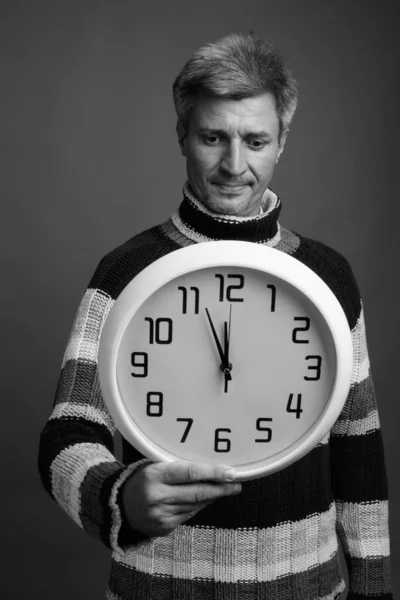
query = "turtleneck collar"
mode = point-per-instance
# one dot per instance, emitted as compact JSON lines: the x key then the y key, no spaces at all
{"x":198,"y":223}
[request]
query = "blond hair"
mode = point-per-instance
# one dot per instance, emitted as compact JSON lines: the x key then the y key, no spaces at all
{"x":237,"y":66}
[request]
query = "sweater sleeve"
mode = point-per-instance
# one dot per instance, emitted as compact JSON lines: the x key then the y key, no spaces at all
{"x":76,"y":451}
{"x":359,"y":482}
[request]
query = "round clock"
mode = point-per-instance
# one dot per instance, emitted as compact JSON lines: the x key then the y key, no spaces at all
{"x":226,"y":352}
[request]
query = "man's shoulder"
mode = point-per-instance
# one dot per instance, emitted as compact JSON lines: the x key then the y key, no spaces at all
{"x":118,"y":267}
{"x":331,"y":266}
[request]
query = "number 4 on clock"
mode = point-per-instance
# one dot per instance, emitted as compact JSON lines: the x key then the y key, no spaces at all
{"x":297,"y":409}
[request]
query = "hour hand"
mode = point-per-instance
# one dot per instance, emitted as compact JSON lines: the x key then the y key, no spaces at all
{"x":224,"y":354}
{"x":216,"y":339}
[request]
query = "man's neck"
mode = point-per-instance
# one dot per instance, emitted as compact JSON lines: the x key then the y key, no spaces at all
{"x":267,"y":203}
{"x":197,"y":223}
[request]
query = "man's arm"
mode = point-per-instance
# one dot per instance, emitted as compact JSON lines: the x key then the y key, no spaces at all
{"x":76,"y":451}
{"x":76,"y":454}
{"x":359,"y":482}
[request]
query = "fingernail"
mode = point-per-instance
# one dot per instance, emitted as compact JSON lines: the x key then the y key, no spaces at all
{"x":237,"y":489}
{"x":230,"y":474}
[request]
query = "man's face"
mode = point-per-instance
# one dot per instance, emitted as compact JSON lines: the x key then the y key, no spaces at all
{"x":231,"y":149}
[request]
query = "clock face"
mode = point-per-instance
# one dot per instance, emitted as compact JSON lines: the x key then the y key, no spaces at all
{"x":224,"y":364}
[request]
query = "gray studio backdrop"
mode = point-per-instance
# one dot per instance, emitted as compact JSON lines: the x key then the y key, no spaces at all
{"x":89,"y":158}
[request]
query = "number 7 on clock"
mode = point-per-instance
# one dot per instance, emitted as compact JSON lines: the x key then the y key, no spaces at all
{"x":187,"y":428}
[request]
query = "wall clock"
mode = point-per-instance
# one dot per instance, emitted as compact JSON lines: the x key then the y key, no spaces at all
{"x":226,"y":352}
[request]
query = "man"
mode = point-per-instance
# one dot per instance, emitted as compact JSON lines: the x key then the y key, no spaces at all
{"x":186,"y":530}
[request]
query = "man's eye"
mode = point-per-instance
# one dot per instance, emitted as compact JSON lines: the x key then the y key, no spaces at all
{"x":210,"y":139}
{"x":257,"y":144}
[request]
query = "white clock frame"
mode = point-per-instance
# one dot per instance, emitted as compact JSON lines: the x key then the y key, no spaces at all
{"x":226,"y":254}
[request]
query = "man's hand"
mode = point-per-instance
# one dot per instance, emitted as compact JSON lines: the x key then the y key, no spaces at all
{"x":160,"y":496}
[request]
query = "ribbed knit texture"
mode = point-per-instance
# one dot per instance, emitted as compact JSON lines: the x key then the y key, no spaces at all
{"x":277,"y":539}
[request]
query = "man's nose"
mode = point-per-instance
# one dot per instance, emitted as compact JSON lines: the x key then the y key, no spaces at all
{"x":233,"y":160}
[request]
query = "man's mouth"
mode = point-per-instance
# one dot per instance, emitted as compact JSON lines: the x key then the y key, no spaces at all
{"x":232,"y":188}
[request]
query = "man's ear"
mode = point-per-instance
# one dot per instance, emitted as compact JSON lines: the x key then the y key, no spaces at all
{"x":181,"y":133}
{"x":282,"y":141}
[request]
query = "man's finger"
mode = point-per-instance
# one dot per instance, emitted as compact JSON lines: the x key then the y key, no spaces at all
{"x":189,"y":472}
{"x":201,"y":492}
{"x":188,"y":508}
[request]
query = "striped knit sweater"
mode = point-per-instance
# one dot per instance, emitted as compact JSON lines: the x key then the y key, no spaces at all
{"x":279,"y":537}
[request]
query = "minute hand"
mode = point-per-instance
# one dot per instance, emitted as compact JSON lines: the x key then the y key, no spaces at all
{"x":227,"y":336}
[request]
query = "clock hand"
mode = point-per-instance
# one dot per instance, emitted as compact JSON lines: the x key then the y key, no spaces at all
{"x":219,"y":347}
{"x":227,"y":335}
{"x":225,"y":364}
{"x":227,"y":367}
{"x":227,"y":374}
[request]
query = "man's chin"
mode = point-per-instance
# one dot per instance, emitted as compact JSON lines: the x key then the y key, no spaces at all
{"x":236,"y":205}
